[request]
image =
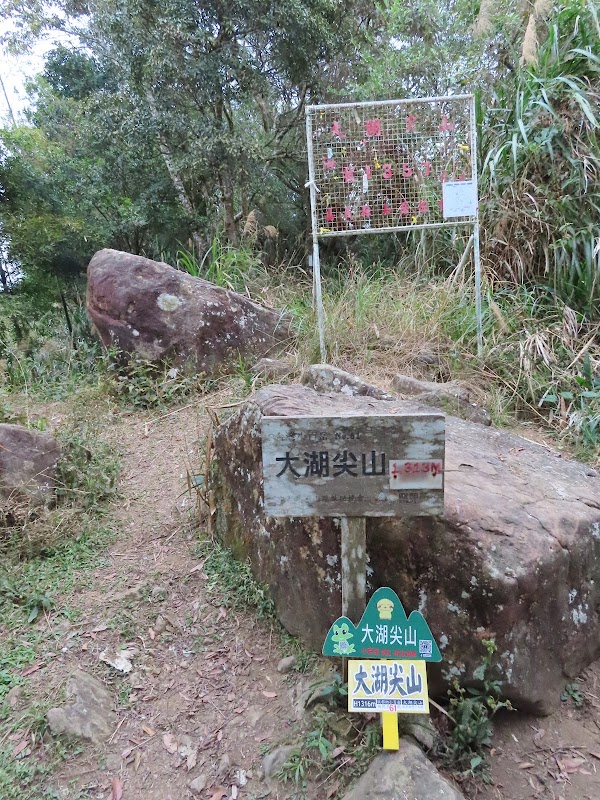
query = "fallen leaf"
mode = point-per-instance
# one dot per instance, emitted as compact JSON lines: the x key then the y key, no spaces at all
{"x":33,"y":668}
{"x":539,"y":734}
{"x":148,"y":730}
{"x":170,"y":743}
{"x":570,"y":765}
{"x":234,"y":792}
{"x":219,"y":793}
{"x":337,"y":752}
{"x":119,"y":660}
{"x":137,"y":760}
{"x":222,"y":613}
{"x":192,"y":759}
{"x":19,"y":748}
{"x":270,"y":694}
{"x":99,"y":628}
{"x":151,"y":634}
{"x":526,"y":765}
{"x":219,"y":736}
{"x":126,"y":753}
{"x":117,"y":789}
{"x":594,"y":753}
{"x":536,"y":784}
{"x":333,"y":789}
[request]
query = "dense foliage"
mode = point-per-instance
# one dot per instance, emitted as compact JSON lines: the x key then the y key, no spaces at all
{"x":165,"y":125}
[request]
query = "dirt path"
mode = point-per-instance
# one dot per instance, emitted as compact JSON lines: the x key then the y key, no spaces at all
{"x":204,"y":699}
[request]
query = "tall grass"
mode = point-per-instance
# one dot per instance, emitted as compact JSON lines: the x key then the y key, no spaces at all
{"x":541,"y":166}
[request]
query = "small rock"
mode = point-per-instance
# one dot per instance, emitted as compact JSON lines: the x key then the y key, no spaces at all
{"x":224,"y":765}
{"x":420,"y":727}
{"x":91,"y":716}
{"x":133,"y":593}
{"x":198,"y":785}
{"x":158,"y":593}
{"x":427,"y":357}
{"x":136,"y":680}
{"x":160,"y":626}
{"x":286,"y":664}
{"x":113,"y":762}
{"x":253,"y":715}
{"x":275,"y":760}
{"x":13,"y":698}
{"x":325,"y":378}
{"x":272,"y":368}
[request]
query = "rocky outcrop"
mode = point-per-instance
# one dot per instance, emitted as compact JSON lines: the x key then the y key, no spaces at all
{"x":448,"y":396}
{"x":148,"y":308}
{"x":325,"y":378}
{"x":516,"y":556}
{"x":403,"y":775}
{"x":28,"y":461}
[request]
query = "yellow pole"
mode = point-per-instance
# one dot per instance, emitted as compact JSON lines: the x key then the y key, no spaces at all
{"x":391,"y":737}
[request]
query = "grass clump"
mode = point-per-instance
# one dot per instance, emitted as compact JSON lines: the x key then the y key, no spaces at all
{"x":233,"y":582}
{"x":471,"y":713}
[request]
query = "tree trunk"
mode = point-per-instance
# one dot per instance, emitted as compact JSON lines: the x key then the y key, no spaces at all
{"x":229,"y":209}
{"x":184,"y":199}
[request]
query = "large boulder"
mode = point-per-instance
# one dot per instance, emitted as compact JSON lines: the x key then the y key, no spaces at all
{"x":28,"y":461}
{"x":148,"y":308}
{"x":516,"y":556}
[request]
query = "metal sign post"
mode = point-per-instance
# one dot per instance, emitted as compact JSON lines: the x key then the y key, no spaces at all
{"x":352,"y":468}
{"x":392,"y":165}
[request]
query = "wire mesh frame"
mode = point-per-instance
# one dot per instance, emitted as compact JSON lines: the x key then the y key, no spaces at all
{"x":379,"y":167}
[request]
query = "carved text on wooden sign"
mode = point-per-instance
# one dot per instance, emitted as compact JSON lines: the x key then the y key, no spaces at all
{"x":367,"y":466}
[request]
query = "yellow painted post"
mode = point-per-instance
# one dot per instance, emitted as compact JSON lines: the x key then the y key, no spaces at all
{"x":391,"y":737}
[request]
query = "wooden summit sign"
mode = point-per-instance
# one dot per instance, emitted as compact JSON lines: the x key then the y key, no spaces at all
{"x":367,"y":466}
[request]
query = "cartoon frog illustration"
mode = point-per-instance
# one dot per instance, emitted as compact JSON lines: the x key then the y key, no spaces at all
{"x":340,"y":637}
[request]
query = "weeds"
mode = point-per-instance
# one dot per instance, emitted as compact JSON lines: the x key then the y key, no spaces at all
{"x":573,"y":692}
{"x":335,"y":745}
{"x":233,"y":580}
{"x":471,"y":711}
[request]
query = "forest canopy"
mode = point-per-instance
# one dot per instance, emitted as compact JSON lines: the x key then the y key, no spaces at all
{"x":162,"y":126}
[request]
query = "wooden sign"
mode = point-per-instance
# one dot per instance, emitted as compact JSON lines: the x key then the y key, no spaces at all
{"x":368,"y":466}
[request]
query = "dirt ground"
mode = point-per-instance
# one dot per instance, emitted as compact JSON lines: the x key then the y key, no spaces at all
{"x":204,"y":698}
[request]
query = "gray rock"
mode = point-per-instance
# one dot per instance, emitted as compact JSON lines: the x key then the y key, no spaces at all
{"x":160,"y":626}
{"x":420,"y":727}
{"x":516,"y":556}
{"x":28,"y":462}
{"x":90,"y":716}
{"x":403,"y":775}
{"x":150,"y":309}
{"x":14,"y":696}
{"x":224,"y":765}
{"x":275,"y":760}
{"x":198,"y":785}
{"x":450,"y":397}
{"x":113,"y":762}
{"x":272,"y":368}
{"x":325,"y":378}
{"x":286,"y":664}
{"x":158,"y":593}
{"x":131,"y":593}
